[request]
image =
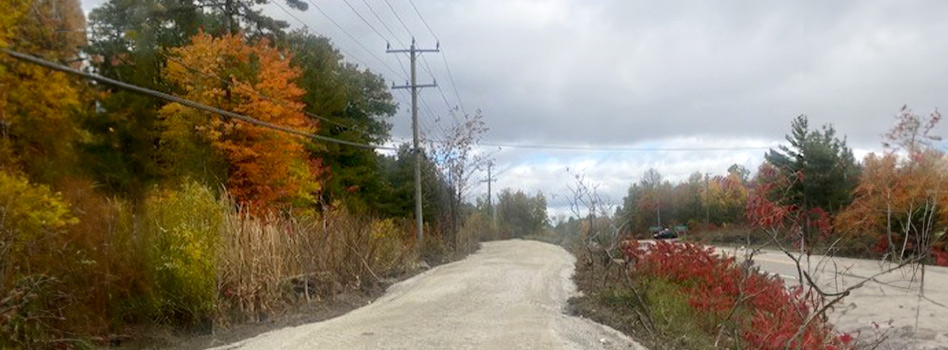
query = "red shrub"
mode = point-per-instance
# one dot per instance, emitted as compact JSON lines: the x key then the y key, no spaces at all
{"x":941,"y":257}
{"x":716,"y":285}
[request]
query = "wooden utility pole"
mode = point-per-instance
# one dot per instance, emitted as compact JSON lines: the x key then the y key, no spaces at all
{"x":414,"y":86}
{"x":707,"y":203}
{"x":490,"y":203}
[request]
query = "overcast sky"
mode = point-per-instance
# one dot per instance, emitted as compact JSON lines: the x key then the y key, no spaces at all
{"x":650,"y":74}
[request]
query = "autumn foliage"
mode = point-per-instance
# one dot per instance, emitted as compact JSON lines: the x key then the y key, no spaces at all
{"x":778,"y":214}
{"x":265,"y":167}
{"x":767,"y":314}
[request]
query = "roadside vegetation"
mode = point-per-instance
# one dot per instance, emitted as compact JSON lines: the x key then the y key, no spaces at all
{"x":120,"y":212}
{"x":810,"y":197}
{"x":686,"y":296}
{"x":815,"y":194}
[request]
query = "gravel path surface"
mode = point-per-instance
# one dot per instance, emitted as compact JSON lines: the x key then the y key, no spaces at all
{"x":886,"y":306}
{"x":508,"y":295}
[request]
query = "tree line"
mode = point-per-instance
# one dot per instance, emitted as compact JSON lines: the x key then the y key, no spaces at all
{"x":816,"y":193}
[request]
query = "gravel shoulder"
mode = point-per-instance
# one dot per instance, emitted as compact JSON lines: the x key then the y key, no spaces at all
{"x":888,"y":306}
{"x":509,"y":295}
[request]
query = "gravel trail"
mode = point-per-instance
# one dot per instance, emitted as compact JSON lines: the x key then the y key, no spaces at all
{"x":508,"y":295}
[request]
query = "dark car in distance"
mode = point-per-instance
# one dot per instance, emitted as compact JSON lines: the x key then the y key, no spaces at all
{"x":665,"y":234}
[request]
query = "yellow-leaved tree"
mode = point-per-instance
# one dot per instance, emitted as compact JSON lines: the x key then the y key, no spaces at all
{"x":264,"y":168}
{"x":36,"y":103}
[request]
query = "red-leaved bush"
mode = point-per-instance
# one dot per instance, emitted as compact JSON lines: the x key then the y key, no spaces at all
{"x":772,"y":313}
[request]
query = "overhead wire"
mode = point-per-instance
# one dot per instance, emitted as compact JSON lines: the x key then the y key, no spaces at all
{"x":444,"y":58}
{"x":346,"y":33}
{"x":311,"y":29}
{"x":424,"y":59}
{"x":434,"y":118}
{"x":307,"y":27}
{"x":183,"y":101}
{"x":406,"y":98}
{"x":376,"y":31}
{"x":384,"y":25}
{"x":399,"y":18}
{"x":364,"y":20}
{"x":423,"y":19}
{"x":457,"y":94}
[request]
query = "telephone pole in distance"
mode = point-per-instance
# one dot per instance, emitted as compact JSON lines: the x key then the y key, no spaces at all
{"x":490,"y":178}
{"x":414,"y":52}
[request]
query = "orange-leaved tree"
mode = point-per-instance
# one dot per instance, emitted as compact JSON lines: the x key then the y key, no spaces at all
{"x":902,"y":202}
{"x":264,"y":168}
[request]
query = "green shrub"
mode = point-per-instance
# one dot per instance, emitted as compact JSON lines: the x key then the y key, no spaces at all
{"x":672,"y":313}
{"x":183,"y":228}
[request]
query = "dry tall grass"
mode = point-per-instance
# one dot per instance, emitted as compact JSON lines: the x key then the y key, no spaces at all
{"x":267,"y":264}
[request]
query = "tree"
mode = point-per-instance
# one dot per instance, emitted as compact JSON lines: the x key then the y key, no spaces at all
{"x":691,"y":209}
{"x":902,"y":203}
{"x":814,"y":175}
{"x":129,"y":40}
{"x":821,"y":166}
{"x":398,"y":183}
{"x":264,"y":167}
{"x":740,"y":172}
{"x":519,"y":214}
{"x":353,"y":105}
{"x":34,"y":102}
{"x":726,"y":198}
{"x":457,"y":159}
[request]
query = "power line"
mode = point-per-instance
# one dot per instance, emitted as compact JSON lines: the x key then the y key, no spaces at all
{"x":183,"y":101}
{"x":358,"y":14}
{"x":344,"y":31}
{"x":399,"y":18}
{"x":387,"y":28}
{"x":434,"y":118}
{"x":423,"y":20}
{"x":447,"y":67}
{"x":444,"y":57}
{"x":364,"y":20}
{"x":379,"y":18}
{"x":425,"y":59}
{"x":307,"y":27}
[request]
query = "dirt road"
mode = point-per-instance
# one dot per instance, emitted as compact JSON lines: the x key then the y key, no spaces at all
{"x":509,"y":295}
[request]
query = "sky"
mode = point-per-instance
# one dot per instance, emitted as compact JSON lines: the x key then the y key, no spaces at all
{"x":679,"y":86}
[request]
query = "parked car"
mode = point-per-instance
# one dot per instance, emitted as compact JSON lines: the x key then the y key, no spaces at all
{"x":665,"y":234}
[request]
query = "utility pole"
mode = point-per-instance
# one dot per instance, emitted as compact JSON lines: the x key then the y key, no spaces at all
{"x":414,"y":53}
{"x":707,"y":203}
{"x":493,"y":213}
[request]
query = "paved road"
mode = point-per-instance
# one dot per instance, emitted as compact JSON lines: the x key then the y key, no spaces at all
{"x":891,"y":301}
{"x":509,"y":295}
